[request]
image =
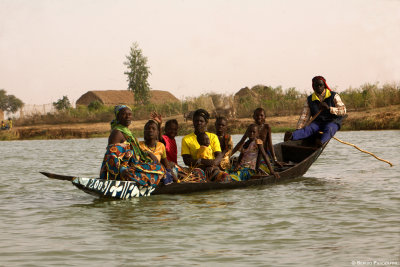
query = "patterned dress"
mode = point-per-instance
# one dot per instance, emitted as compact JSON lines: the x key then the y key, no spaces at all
{"x":122,"y":163}
{"x":248,"y":163}
{"x":160,"y":153}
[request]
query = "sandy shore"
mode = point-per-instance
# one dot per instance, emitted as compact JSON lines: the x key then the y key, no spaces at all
{"x":381,"y":116}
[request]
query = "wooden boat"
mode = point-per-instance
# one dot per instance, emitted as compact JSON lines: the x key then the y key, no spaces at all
{"x":297,"y":155}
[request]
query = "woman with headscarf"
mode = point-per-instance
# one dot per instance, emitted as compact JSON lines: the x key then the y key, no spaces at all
{"x":190,"y":147}
{"x":124,"y":159}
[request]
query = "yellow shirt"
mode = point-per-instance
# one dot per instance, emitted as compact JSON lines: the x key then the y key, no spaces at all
{"x":205,"y":152}
{"x":159,"y":151}
{"x":190,"y":145}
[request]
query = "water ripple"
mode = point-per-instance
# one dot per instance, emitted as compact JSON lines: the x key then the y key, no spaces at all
{"x":345,"y":208}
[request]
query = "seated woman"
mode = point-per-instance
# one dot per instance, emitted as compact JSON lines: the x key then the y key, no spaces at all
{"x":190,"y":146}
{"x":124,"y":160}
{"x":150,"y":144}
{"x":249,"y":162}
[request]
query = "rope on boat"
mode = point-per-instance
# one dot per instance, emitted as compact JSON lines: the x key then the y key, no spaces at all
{"x":346,"y":143}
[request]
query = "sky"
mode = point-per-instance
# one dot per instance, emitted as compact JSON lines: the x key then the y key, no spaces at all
{"x":55,"y":48}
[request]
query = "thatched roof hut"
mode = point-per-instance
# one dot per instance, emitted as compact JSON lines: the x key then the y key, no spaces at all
{"x":246,"y":92}
{"x":115,"y":97}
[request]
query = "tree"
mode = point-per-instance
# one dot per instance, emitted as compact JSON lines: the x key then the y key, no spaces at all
{"x":138,"y":73}
{"x":62,"y":104}
{"x":9,"y":103}
{"x":95,"y":105}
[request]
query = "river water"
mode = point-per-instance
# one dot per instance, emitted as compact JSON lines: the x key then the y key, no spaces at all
{"x":344,"y":211}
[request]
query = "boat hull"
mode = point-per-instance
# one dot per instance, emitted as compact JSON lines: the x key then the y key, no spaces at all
{"x":298,"y":157}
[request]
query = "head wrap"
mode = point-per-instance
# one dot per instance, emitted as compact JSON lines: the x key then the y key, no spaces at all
{"x":202,"y":113}
{"x":317,"y":78}
{"x":115,"y":125}
{"x":117,"y":109}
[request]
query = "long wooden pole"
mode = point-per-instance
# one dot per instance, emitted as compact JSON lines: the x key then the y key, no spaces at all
{"x":346,"y":143}
{"x":313,"y":118}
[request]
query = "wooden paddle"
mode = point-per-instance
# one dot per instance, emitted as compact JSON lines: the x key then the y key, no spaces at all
{"x":313,"y":118}
{"x":364,"y":151}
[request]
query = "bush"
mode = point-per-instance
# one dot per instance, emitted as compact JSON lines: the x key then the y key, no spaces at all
{"x":95,"y":105}
{"x":62,"y":103}
{"x":275,"y":101}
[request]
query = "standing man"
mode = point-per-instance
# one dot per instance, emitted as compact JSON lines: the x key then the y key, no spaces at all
{"x":323,"y":111}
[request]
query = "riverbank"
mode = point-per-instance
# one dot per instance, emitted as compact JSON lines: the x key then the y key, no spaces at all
{"x":375,"y":119}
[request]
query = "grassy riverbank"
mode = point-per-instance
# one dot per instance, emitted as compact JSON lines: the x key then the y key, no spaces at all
{"x":370,"y":119}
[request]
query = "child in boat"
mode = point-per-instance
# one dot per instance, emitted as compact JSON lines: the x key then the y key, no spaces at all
{"x":264,"y":134}
{"x":249,"y":162}
{"x":168,"y":139}
{"x":152,"y":145}
{"x":205,"y":152}
{"x":225,"y":140}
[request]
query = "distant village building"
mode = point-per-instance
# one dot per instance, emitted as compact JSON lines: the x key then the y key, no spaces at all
{"x":115,"y":97}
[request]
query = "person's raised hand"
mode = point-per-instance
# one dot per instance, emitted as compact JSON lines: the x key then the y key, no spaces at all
{"x":156,"y":116}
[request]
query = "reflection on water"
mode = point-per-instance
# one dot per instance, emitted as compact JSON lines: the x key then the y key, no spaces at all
{"x":345,"y":208}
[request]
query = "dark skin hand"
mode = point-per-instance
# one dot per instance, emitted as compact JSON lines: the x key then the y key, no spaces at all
{"x":265,"y":134}
{"x":157,"y":117}
{"x":323,"y":106}
{"x":200,"y":126}
{"x":266,"y":159}
{"x":210,"y":172}
{"x":241,"y":142}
